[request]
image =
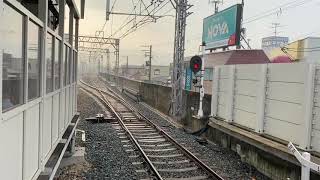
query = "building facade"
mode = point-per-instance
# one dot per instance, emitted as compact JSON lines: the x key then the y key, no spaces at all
{"x":38,"y":90}
{"x":303,"y":50}
{"x":273,"y":42}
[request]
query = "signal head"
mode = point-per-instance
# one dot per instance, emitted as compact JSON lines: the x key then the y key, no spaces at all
{"x":195,"y":64}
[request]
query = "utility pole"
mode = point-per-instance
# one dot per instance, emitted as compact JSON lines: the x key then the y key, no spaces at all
{"x":275,"y":26}
{"x":101,"y":64}
{"x":148,"y":53}
{"x":216,"y":5}
{"x":182,"y":13}
{"x":242,"y":29}
{"x":108,"y":62}
{"x":150,"y":63}
{"x":117,"y":53}
{"x":127,"y":68}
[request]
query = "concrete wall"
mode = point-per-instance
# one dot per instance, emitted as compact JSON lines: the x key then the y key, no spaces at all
{"x":159,"y":96}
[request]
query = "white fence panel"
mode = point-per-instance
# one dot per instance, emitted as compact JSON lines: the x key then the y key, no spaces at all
{"x":245,"y":100}
{"x":284,"y":101}
{"x":67,"y":107}
{"x":223,"y":91}
{"x":75,"y":99}
{"x":315,"y":134}
{"x":11,"y":148}
{"x":62,"y":112}
{"x":46,"y":126}
{"x":70,"y":105}
{"x":31,"y":142}
{"x":276,"y":99}
{"x":55,"y":119}
{"x":315,"y":140}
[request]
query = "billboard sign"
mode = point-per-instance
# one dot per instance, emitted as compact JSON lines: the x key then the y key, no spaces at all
{"x":223,"y":28}
{"x":274,"y":42}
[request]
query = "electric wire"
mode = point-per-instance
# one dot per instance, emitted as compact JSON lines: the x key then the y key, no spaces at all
{"x":273,"y":9}
{"x":143,"y":22}
{"x":272,"y":12}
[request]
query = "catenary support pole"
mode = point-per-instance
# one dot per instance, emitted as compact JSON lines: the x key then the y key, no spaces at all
{"x":178,"y":59}
{"x":127,"y":68}
{"x":150,"y":61}
{"x":200,"y":111}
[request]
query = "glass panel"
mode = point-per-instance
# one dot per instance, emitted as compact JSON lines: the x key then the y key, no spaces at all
{"x":53,"y":15}
{"x":49,"y":59}
{"x":66,"y":22}
{"x":71,"y":68}
{"x":69,"y":65}
{"x":74,"y":31}
{"x":13,"y":64}
{"x":63,"y":65}
{"x":32,"y":6}
{"x":57,"y":63}
{"x":66,"y":65}
{"x":75,"y":66}
{"x":34,"y":68}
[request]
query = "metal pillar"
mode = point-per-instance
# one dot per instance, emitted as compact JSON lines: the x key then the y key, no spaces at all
{"x":108,"y":62}
{"x":200,"y":111}
{"x":127,"y":68}
{"x":177,"y":74}
{"x":150,"y":63}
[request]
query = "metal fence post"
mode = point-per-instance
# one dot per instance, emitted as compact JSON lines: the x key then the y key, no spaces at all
{"x":43,"y":15}
{"x":308,"y":106}
{"x":1,"y":60}
{"x":215,"y":90}
{"x":230,"y":100}
{"x":305,"y":170}
{"x":305,"y":161}
{"x":261,"y":98}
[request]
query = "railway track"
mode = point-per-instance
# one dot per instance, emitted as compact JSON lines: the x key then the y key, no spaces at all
{"x":155,"y":153}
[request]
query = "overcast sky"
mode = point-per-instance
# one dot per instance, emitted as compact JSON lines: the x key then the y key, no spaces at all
{"x":297,"y":19}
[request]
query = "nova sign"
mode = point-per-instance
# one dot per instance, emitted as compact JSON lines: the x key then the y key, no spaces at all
{"x":223,"y":29}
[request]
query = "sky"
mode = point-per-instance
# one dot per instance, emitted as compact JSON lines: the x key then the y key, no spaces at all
{"x":297,"y":20}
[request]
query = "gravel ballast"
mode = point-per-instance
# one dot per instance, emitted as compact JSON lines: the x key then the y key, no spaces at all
{"x":224,"y":161}
{"x":104,"y":152}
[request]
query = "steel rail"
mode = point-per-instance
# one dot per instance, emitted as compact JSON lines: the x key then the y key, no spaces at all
{"x":108,"y":104}
{"x":210,"y":172}
{"x":189,"y":154}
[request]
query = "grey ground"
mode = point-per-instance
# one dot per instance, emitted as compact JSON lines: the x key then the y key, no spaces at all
{"x":105,"y":157}
{"x":224,"y":161}
{"x":104,"y":154}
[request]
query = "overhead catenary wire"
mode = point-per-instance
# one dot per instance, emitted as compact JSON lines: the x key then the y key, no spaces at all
{"x":144,"y":22}
{"x":272,"y":12}
{"x":261,"y":15}
{"x":127,"y":23}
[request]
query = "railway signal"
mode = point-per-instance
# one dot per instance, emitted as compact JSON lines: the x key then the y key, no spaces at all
{"x":195,"y":64}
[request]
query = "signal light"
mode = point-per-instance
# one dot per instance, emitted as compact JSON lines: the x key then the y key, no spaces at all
{"x":195,"y":64}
